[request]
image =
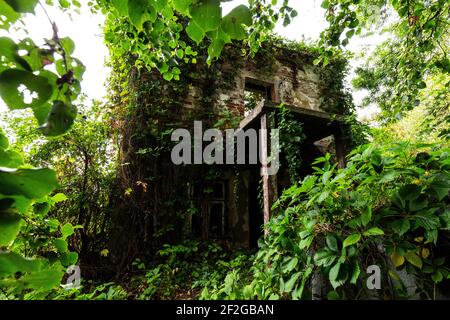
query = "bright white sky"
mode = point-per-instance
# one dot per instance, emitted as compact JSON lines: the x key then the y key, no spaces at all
{"x":85,"y":30}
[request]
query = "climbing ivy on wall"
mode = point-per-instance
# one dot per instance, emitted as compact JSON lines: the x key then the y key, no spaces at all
{"x":291,"y":139}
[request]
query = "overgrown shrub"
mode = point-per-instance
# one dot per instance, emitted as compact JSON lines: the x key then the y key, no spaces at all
{"x":388,"y":207}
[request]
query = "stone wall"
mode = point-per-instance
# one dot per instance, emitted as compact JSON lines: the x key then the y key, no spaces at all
{"x":294,"y":83}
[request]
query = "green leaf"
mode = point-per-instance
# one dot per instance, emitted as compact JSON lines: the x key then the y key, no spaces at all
{"x":30,"y":183}
{"x":68,"y":45}
{"x":140,"y":11}
{"x":409,"y":192}
{"x":289,"y":285}
{"x":13,"y":79}
{"x":233,"y":21}
{"x":306,"y":243}
{"x":69,"y":259}
{"x":207,"y":14}
{"x":121,"y":6}
{"x":59,"y":119}
{"x":418,"y":204}
{"x":414,"y":259}
{"x":388,"y":176}
{"x":182,"y":6}
{"x":67,"y":230}
{"x":397,"y":259}
{"x":334,"y":271}
{"x":427,"y":221}
{"x":214,"y":49}
{"x":352,"y":239}
{"x":324,"y":257}
{"x":3,"y":140}
{"x":41,"y":208}
{"x":437,"y":277}
{"x":10,"y":15}
{"x":195,"y":32}
{"x":290,"y":265}
{"x":333,"y":295}
{"x":11,"y":263}
{"x":9,"y":227}
{"x":42,"y":280}
{"x":323,"y":196}
{"x":355,"y":274}
{"x":441,"y":187}
{"x":22,"y":6}
{"x":180,"y":53}
{"x":373,"y":232}
{"x":400,"y":226}
{"x":61,"y":245}
{"x":366,"y":216}
{"x":59,"y":197}
{"x":41,"y":112}
{"x":10,"y":159}
{"x":332,"y":242}
{"x":9,"y":51}
{"x":248,"y":292}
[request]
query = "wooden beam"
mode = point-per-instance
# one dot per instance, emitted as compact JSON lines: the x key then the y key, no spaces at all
{"x":304,"y":111}
{"x":264,"y":164}
{"x":339,"y":142}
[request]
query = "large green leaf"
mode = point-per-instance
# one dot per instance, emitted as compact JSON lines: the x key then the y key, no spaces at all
{"x":9,"y":227}
{"x":324,"y":257}
{"x":195,"y":32}
{"x":182,"y":6}
{"x":232,"y":22}
{"x":427,"y":220}
{"x":414,"y":259}
{"x":366,"y":215}
{"x":441,"y":186}
{"x":16,"y":202}
{"x":10,"y":15}
{"x":291,"y":282}
{"x":11,"y":80}
{"x":67,"y":230}
{"x":207,"y":14}
{"x":338,"y":275}
{"x":373,"y":232}
{"x":400,"y":226}
{"x":42,"y":280}
{"x":121,"y":6}
{"x":3,"y":140}
{"x":355,"y":273}
{"x":41,"y":112}
{"x":30,"y":183}
{"x":59,"y":119}
{"x":334,"y":271}
{"x":60,"y":245}
{"x":68,"y":45}
{"x":10,"y":159}
{"x":290,"y":265}
{"x":9,"y":51}
{"x":69,"y":258}
{"x":332,"y":242}
{"x":409,"y":192}
{"x":22,"y":6}
{"x":352,"y":239}
{"x":140,"y":11}
{"x":11,"y":262}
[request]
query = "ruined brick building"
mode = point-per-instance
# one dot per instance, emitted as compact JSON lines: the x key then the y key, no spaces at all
{"x":224,"y":202}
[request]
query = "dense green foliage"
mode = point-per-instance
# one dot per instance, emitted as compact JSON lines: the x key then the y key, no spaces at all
{"x":388,"y":206}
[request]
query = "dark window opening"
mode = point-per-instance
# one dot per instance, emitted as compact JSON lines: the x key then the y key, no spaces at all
{"x":209,"y":199}
{"x":254,"y":93}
